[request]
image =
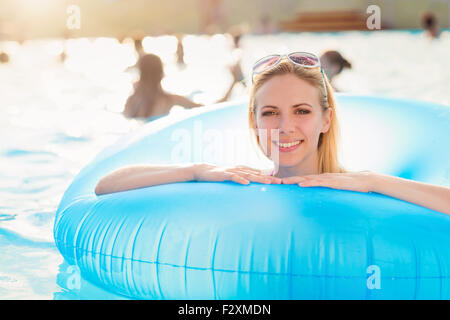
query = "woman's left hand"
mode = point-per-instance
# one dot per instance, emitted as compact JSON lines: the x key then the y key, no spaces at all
{"x":353,"y":181}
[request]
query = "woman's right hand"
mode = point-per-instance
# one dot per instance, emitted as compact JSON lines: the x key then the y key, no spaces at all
{"x":239,"y":174}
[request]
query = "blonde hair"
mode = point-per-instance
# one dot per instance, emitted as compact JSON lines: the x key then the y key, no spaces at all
{"x":328,"y":141}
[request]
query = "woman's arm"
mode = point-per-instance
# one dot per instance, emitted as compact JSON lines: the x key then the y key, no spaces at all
{"x":424,"y":194}
{"x":183,"y":101}
{"x":228,"y":93}
{"x":140,"y":176}
{"x":237,"y":76}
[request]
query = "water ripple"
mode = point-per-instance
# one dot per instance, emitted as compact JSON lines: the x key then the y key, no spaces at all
{"x":18,"y":240}
{"x":11,"y":153}
{"x":7,"y":217}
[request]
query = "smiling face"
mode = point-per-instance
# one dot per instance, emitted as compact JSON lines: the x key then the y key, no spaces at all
{"x":291,"y":105}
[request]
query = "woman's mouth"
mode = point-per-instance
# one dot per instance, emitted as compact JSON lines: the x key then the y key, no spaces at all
{"x":288,"y":146}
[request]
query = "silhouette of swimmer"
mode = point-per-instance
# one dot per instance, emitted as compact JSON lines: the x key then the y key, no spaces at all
{"x":4,"y":58}
{"x":180,"y":51}
{"x":430,"y":25}
{"x":149,"y":99}
{"x":333,"y":63}
{"x":138,"y":46}
{"x":266,"y":26}
{"x":236,"y":33}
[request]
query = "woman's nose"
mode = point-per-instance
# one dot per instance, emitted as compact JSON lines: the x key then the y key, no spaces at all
{"x":287,"y":124}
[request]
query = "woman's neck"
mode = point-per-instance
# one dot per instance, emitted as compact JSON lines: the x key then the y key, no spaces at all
{"x":150,"y":84}
{"x":309,"y":165}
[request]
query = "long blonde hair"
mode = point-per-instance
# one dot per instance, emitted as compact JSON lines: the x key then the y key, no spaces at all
{"x":328,"y":141}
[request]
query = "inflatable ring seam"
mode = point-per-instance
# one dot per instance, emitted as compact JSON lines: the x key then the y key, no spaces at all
{"x":59,"y":241}
{"x":255,"y":272}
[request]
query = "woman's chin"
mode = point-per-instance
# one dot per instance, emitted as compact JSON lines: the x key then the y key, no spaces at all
{"x":288,"y":162}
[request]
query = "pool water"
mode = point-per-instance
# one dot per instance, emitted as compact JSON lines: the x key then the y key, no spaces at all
{"x":55,"y":117}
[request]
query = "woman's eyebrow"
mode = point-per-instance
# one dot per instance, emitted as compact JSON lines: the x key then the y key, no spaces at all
{"x":301,"y":104}
{"x":269,"y":106}
{"x":294,"y":106}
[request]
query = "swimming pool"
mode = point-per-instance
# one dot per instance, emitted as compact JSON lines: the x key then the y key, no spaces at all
{"x":55,"y":118}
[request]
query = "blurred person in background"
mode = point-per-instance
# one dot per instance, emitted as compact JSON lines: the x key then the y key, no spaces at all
{"x":138,"y":36}
{"x":67,"y":34}
{"x":236,"y":32}
{"x":138,"y":47}
{"x":430,"y":25}
{"x":180,"y":51}
{"x":149,"y":99}
{"x":4,"y":58}
{"x":213,"y":16}
{"x":333,"y":63}
{"x":265,"y":25}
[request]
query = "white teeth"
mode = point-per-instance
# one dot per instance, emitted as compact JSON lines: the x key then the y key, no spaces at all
{"x":290,"y":144}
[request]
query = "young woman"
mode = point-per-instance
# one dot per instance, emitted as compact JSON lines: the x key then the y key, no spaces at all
{"x":149,"y":100}
{"x":291,"y":96}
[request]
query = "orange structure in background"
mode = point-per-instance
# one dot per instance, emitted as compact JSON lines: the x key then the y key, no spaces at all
{"x":326,"y":21}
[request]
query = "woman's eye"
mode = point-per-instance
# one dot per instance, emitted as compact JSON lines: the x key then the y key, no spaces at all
{"x":302,"y":111}
{"x":268,"y":113}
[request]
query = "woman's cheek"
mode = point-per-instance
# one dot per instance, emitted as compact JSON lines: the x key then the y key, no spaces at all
{"x":311,"y":129}
{"x":265,"y":130}
{"x":268,"y":123}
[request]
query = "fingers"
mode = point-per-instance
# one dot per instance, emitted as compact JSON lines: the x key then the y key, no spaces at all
{"x":245,"y":175}
{"x":251,"y":175}
{"x":309,"y":178}
{"x":275,"y":180}
{"x":247,"y":169}
{"x":271,"y":179}
{"x":319,"y":180}
{"x":311,"y":183}
{"x":258,"y":177}
{"x":255,"y":175}
{"x":242,"y":175}
{"x":238,"y":179}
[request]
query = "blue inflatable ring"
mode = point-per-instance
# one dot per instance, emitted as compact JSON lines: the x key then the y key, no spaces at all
{"x":203,"y":240}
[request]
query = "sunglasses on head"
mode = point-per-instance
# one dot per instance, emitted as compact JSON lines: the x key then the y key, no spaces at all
{"x":303,"y":59}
